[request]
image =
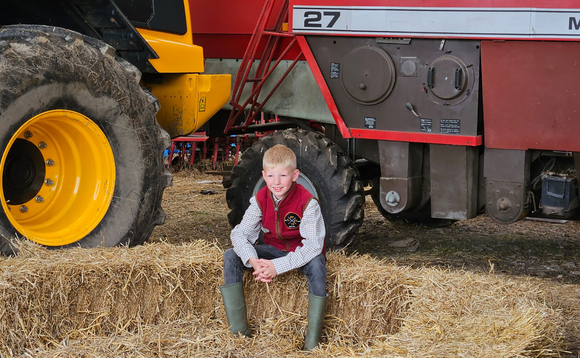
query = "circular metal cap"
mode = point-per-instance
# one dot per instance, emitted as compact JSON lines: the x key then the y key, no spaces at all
{"x":393,"y":198}
{"x":368,"y":75}
{"x":409,"y":68}
{"x":449,"y":77}
{"x":504,"y":204}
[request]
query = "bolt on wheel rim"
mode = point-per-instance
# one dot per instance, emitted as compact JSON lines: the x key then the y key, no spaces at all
{"x":58,"y":178}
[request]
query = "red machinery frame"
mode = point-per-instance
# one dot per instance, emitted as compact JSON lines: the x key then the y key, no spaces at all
{"x":506,"y":126}
{"x":271,"y":38}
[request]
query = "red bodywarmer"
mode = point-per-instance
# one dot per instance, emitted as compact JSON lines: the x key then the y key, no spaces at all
{"x":283,"y":223}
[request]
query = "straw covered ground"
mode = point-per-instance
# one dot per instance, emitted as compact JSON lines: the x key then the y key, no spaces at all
{"x":162,"y":300}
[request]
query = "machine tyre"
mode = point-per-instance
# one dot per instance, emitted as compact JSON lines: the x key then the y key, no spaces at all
{"x":322,"y":165}
{"x":87,"y":107}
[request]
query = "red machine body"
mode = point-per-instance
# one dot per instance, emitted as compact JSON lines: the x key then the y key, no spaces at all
{"x":529,"y":78}
{"x":530,"y":94}
{"x":457,"y":101}
{"x":223,"y":28}
{"x":529,"y":70}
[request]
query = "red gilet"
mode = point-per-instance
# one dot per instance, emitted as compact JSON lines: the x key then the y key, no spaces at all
{"x":283,"y":224}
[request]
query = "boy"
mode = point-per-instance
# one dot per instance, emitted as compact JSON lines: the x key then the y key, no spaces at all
{"x":293,"y":227}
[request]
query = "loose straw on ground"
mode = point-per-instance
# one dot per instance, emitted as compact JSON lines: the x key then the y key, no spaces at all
{"x":163,"y":300}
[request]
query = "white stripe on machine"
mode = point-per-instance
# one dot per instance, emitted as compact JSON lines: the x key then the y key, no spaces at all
{"x":440,"y":22}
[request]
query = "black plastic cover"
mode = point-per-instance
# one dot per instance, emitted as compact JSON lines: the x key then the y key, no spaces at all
{"x":165,"y":15}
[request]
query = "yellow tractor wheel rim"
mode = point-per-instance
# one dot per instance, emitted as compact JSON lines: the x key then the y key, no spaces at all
{"x":58,"y":178}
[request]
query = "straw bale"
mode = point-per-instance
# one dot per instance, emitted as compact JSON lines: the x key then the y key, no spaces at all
{"x":45,"y":295}
{"x":473,"y":315}
{"x":367,"y":298}
{"x":163,"y":300}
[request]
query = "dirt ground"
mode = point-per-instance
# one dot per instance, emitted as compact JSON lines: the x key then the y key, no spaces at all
{"x":547,"y":253}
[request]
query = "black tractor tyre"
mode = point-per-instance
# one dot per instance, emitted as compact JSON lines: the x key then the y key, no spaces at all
{"x":45,"y":68}
{"x":332,"y":174}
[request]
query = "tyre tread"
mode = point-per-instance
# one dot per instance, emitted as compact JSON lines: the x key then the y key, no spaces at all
{"x":344,"y":212}
{"x":58,"y":52}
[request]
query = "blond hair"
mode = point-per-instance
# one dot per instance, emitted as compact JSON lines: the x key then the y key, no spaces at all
{"x":279,"y":155}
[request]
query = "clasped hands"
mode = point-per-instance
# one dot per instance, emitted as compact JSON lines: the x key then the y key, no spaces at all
{"x":264,"y":270}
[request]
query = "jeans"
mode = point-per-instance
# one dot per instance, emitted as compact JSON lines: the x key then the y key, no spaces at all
{"x":315,"y":270}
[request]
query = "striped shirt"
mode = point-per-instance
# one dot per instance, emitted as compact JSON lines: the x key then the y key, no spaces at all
{"x":246,"y":233}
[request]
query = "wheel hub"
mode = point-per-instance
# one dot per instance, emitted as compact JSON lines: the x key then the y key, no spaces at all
{"x":58,"y":178}
{"x":24,"y":172}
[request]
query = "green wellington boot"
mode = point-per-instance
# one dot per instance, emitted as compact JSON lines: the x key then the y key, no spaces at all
{"x":235,"y":305}
{"x":316,"y":312}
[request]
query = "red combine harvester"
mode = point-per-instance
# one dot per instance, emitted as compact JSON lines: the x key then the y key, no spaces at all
{"x":448,"y":108}
{"x":440,"y":110}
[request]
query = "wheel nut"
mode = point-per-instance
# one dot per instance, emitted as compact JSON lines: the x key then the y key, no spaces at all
{"x":49,"y":162}
{"x":48,"y":182}
{"x":28,"y":134}
{"x":41,"y":145}
{"x":504,"y":204}
{"x":393,"y":198}
{"x":39,"y":199}
{"x":23,"y":209}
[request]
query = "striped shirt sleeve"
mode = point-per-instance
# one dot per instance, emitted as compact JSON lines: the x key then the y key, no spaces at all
{"x":246,"y":233}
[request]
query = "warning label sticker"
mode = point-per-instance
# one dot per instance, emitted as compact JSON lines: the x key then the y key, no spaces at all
{"x":370,"y":122}
{"x":450,"y":126}
{"x":426,"y":125}
{"x":334,"y":70}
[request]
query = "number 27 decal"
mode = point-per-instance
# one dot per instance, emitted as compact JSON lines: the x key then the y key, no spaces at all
{"x":314,"y":18}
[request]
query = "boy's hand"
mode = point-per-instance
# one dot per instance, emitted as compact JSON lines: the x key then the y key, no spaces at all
{"x":268,"y":269}
{"x":259,"y":270}
{"x":254,"y":262}
{"x":264,"y":270}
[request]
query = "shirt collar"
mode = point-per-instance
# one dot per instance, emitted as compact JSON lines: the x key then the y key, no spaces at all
{"x":276,"y":200}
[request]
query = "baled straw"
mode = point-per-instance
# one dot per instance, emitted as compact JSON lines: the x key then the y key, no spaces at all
{"x":46,"y":295}
{"x":163,"y":300}
{"x":473,"y":315}
{"x":367,"y":298}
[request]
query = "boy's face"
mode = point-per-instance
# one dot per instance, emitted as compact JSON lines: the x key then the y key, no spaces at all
{"x":279,"y":179}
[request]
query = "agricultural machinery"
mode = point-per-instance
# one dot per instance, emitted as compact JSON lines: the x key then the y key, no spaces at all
{"x":440,"y":110}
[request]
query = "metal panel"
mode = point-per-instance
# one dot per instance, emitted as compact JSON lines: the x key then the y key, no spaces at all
{"x":424,"y":87}
{"x":531,"y":95}
{"x":224,"y":27}
{"x":454,"y":181}
{"x":506,"y":165}
{"x":297,"y":97}
{"x":507,"y":178}
{"x":189,"y":100}
{"x":401,"y":180}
